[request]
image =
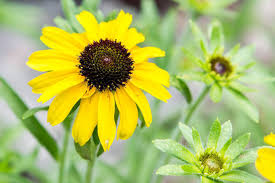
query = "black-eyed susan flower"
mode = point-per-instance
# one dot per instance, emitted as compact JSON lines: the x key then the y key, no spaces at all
{"x":102,"y":67}
{"x":215,"y":161}
{"x":265,"y":162}
{"x":219,"y":69}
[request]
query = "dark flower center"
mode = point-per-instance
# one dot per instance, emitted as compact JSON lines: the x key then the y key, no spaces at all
{"x":106,"y":64}
{"x":211,"y":162}
{"x":221,"y":66}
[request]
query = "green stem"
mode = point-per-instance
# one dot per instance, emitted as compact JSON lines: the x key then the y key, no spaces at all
{"x":89,"y":172}
{"x":63,"y":157}
{"x":176,"y":134}
{"x":195,"y":105}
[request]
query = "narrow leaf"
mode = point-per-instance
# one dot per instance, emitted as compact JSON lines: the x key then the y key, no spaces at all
{"x":225,"y":147}
{"x":63,"y":24}
{"x":216,"y":35}
{"x":187,"y":133}
{"x":175,"y":149}
{"x":191,"y":57}
{"x":238,"y":146}
{"x":178,"y":170}
{"x":244,"y":103}
{"x":197,"y":140}
{"x":182,"y":87}
{"x":199,"y":36}
{"x":216,"y":93}
{"x":231,"y":53}
{"x":33,"y":111}
{"x":245,"y":158}
{"x":214,"y":134}
{"x":90,"y":5}
{"x":194,"y":75}
{"x":32,"y":124}
{"x":240,"y":176}
{"x":226,"y":133}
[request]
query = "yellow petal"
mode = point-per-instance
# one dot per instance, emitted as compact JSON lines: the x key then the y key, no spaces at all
{"x":265,"y":163}
{"x":270,"y":139}
{"x":59,"y":39}
{"x":128,"y":114}
{"x":44,"y":81}
{"x":121,"y":24}
{"x":106,"y":30}
{"x":132,"y":38}
{"x":82,"y":38}
{"x":155,"y":89}
{"x":139,"y":98}
{"x":86,"y":119}
{"x":49,"y":60}
{"x":64,"y":102}
{"x":143,"y":54}
{"x":89,"y":23}
{"x":106,"y":123}
{"x":89,"y":92}
{"x":150,"y":71}
{"x":57,"y":88}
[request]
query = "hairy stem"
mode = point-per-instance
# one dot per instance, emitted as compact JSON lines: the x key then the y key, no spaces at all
{"x":89,"y":172}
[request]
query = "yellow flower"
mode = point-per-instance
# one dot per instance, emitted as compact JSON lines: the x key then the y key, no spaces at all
{"x":265,"y":162}
{"x":101,"y":67}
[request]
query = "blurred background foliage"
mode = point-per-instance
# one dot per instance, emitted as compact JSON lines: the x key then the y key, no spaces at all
{"x":165,"y":25}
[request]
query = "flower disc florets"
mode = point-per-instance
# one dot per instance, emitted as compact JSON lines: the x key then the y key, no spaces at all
{"x":211,"y":162}
{"x":106,"y":64}
{"x":221,"y":66}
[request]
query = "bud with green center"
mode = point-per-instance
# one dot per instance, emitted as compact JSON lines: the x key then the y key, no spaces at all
{"x":221,"y":70}
{"x":218,"y":161}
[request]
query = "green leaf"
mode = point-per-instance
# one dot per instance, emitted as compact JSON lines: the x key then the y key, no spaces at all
{"x":216,"y":92}
{"x":182,"y":87}
{"x":232,"y":52}
{"x":194,"y":75}
{"x":168,"y":28}
{"x":199,"y":36}
{"x":111,"y":16}
{"x":175,"y":149}
{"x":240,"y":176}
{"x":226,"y":133}
{"x":187,"y":133}
{"x":178,"y":170}
{"x":238,"y":146}
{"x":91,"y":5}
{"x":216,"y":36}
{"x":32,"y":124}
{"x":191,"y":57}
{"x":70,"y":10}
{"x":63,"y":24}
{"x":197,"y":140}
{"x":246,"y":157}
{"x":208,"y":180}
{"x":214,"y":134}
{"x":11,"y":178}
{"x":33,"y":111}
{"x":87,"y":151}
{"x":225,"y":147}
{"x":149,"y":11}
{"x":245,"y":54}
{"x":250,"y":110}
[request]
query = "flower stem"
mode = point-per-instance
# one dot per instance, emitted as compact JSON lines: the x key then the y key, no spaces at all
{"x":176,"y":133}
{"x":63,"y":157}
{"x":89,"y":172}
